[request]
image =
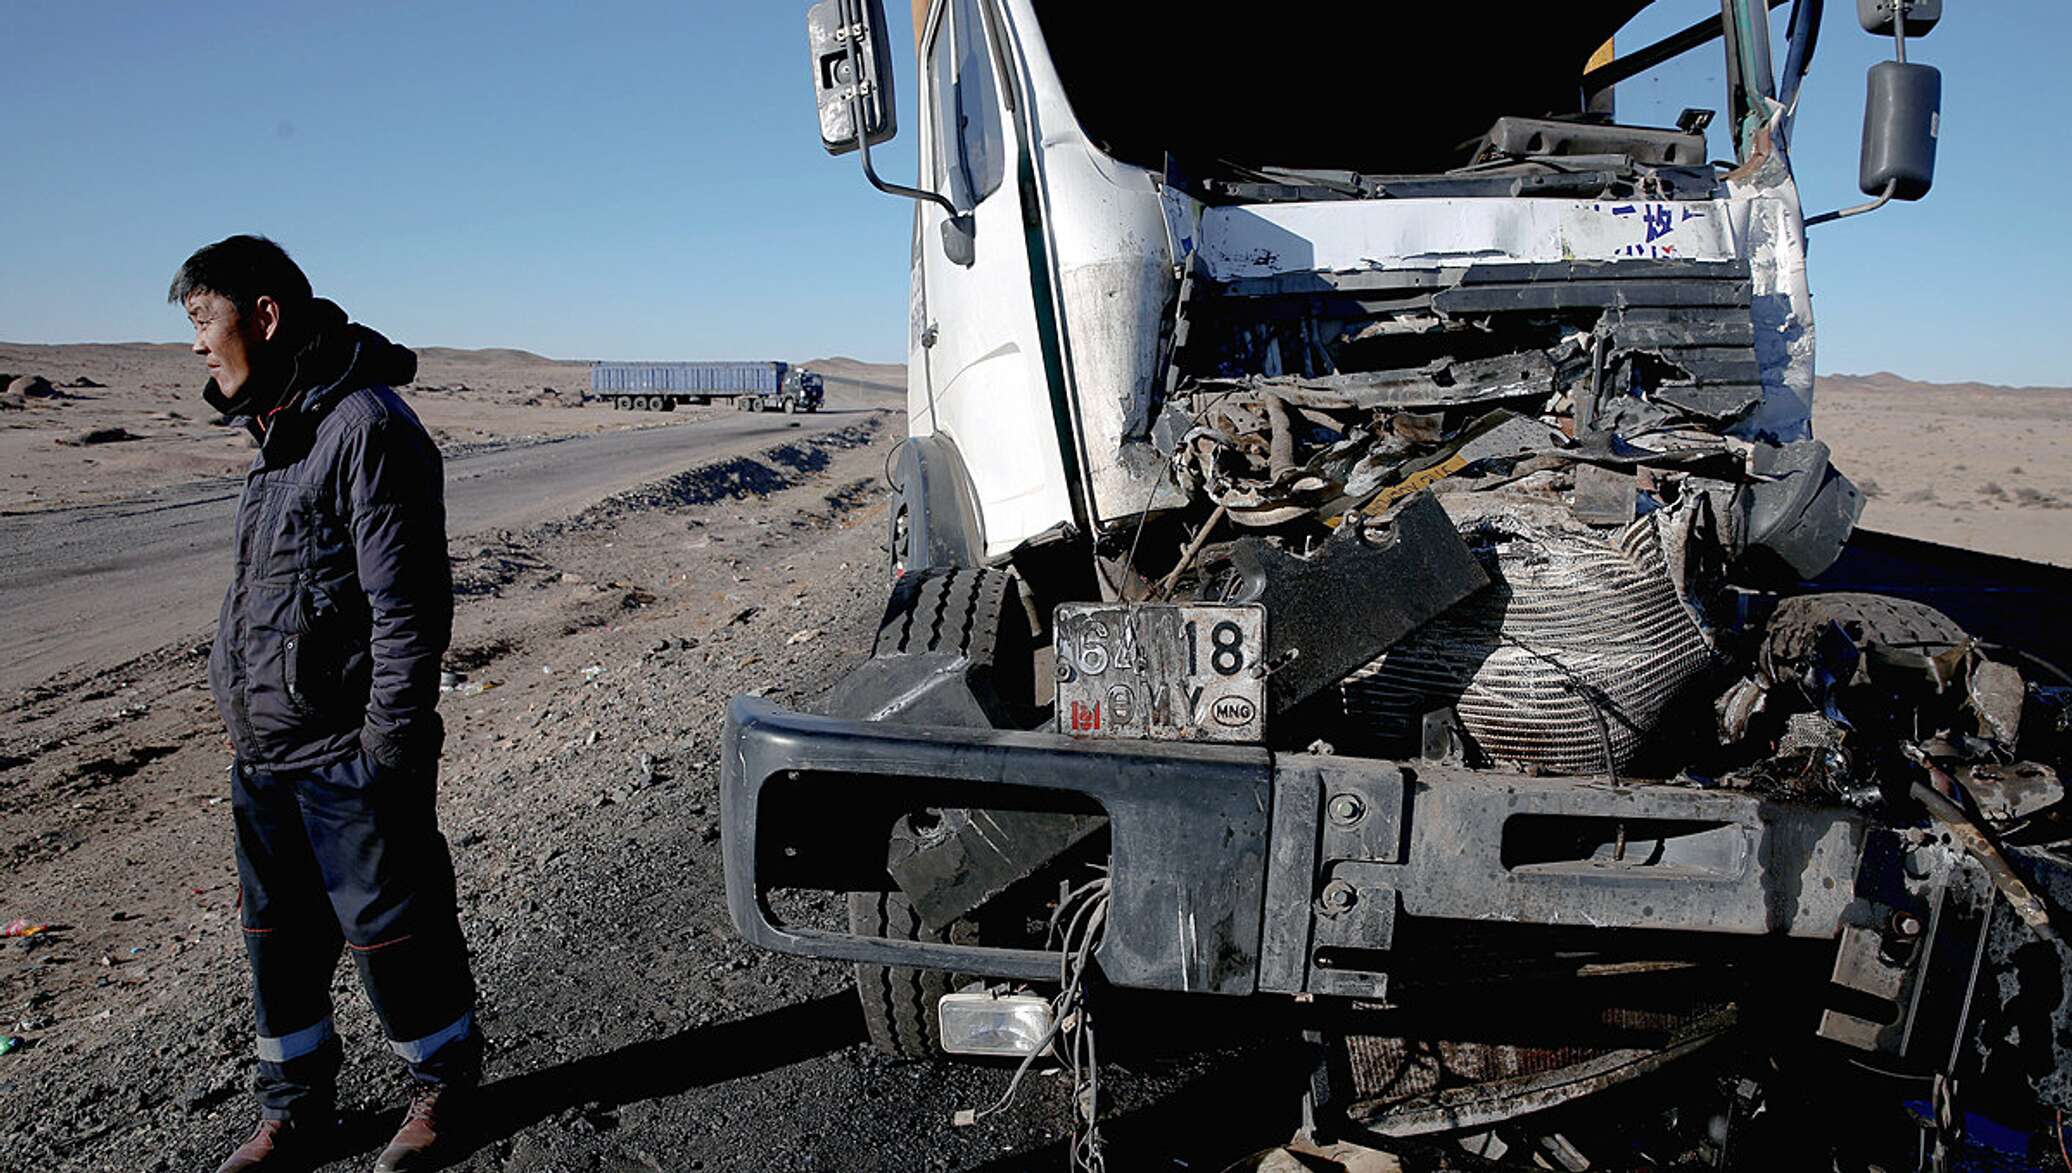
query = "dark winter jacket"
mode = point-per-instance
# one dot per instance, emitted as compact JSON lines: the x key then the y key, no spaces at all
{"x":342,"y":600}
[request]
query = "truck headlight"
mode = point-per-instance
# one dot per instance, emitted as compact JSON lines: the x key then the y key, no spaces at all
{"x":983,"y":1023}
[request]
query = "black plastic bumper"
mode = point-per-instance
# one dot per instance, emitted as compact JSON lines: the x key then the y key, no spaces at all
{"x":1235,"y":870}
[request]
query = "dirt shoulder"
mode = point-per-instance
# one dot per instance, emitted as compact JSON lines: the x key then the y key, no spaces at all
{"x":631,"y":1028}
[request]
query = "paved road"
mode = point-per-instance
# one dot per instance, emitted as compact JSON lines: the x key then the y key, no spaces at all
{"x":95,"y":586}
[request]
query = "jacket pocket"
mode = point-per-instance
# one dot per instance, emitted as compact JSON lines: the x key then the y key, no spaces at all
{"x":293,"y":675}
{"x":310,"y":658}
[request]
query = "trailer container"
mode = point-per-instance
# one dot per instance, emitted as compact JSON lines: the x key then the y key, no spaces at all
{"x":661,"y":386}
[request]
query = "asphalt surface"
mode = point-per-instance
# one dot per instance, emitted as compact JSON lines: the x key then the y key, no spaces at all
{"x":94,"y":586}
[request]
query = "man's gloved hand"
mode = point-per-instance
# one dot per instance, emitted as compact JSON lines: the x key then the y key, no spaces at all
{"x":411,"y":746}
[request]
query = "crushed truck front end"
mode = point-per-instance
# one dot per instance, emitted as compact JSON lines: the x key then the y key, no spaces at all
{"x":1400,"y":577}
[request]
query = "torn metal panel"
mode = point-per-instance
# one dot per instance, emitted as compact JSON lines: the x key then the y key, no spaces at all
{"x":1357,"y":595}
{"x":1800,"y":514}
{"x":1998,"y":694}
{"x":2006,"y":795}
{"x":1766,"y":205}
{"x":1604,"y":496}
{"x":1700,"y":306}
{"x":1261,"y":240}
{"x":1118,"y":314}
{"x":1442,"y":383}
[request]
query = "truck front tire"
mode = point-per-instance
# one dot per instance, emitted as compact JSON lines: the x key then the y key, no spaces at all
{"x":972,"y":613}
{"x":898,"y":1003}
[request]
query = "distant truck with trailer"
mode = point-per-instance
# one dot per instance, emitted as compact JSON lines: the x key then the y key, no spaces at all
{"x":661,"y":386}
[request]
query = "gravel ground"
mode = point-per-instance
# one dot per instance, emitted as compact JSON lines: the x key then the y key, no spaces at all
{"x":630,"y":1028}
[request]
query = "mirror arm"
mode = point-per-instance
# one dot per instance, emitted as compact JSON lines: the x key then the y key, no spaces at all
{"x":1899,"y":50}
{"x":852,"y":13}
{"x":1884,"y":197}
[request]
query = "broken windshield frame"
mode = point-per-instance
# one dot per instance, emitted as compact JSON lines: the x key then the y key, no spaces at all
{"x":1188,"y":111}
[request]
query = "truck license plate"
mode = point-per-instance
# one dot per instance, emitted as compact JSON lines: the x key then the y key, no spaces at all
{"x":1180,"y":672}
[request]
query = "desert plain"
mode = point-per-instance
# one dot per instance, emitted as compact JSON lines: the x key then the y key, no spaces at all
{"x":620,"y":576}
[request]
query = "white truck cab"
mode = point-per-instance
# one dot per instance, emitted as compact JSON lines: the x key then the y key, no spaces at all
{"x":1045,"y":306}
{"x":1361,"y":543}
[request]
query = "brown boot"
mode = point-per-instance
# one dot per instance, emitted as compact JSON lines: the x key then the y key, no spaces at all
{"x":428,"y":1129}
{"x":275,"y":1145}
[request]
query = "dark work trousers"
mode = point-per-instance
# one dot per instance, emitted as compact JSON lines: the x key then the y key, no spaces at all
{"x":349,"y":856}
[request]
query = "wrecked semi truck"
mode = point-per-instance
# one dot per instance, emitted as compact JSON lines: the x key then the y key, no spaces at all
{"x":1362,"y":545}
{"x":661,"y":386}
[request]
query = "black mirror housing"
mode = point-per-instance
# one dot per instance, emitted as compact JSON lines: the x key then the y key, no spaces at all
{"x":1902,"y":116}
{"x":960,"y":239}
{"x":1876,"y":15}
{"x":845,"y":36}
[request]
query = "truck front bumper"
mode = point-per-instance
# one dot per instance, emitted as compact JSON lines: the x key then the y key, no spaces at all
{"x":1235,"y":870}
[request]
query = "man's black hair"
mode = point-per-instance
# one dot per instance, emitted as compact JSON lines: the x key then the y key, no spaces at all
{"x":242,"y":269}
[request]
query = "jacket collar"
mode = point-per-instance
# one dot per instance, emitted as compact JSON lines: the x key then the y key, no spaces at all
{"x":336,"y":357}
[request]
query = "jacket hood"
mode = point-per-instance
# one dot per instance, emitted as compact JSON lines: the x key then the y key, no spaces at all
{"x":337,"y":357}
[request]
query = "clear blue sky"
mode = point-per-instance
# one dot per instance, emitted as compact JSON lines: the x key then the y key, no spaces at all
{"x":643,"y":179}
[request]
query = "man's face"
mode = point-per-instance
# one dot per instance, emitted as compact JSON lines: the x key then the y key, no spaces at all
{"x":231,"y":343}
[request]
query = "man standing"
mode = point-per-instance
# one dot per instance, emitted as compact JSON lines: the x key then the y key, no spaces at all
{"x":326,"y":670}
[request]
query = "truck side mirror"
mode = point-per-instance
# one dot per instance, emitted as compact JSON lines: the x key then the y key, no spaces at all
{"x":1902,"y":110}
{"x":959,"y":239}
{"x":847,"y":37}
{"x":1902,"y":114}
{"x":1876,"y":16}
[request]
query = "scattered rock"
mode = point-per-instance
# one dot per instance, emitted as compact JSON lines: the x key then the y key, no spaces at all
{"x":83,"y":381}
{"x":33,"y":387}
{"x":98,"y":436}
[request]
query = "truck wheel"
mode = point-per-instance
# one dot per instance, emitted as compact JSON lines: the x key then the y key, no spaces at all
{"x":755,"y":404}
{"x":791,"y":406}
{"x":972,"y":613}
{"x":898,"y":1003}
{"x":618,"y":403}
{"x":977,"y":614}
{"x":1795,"y":630}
